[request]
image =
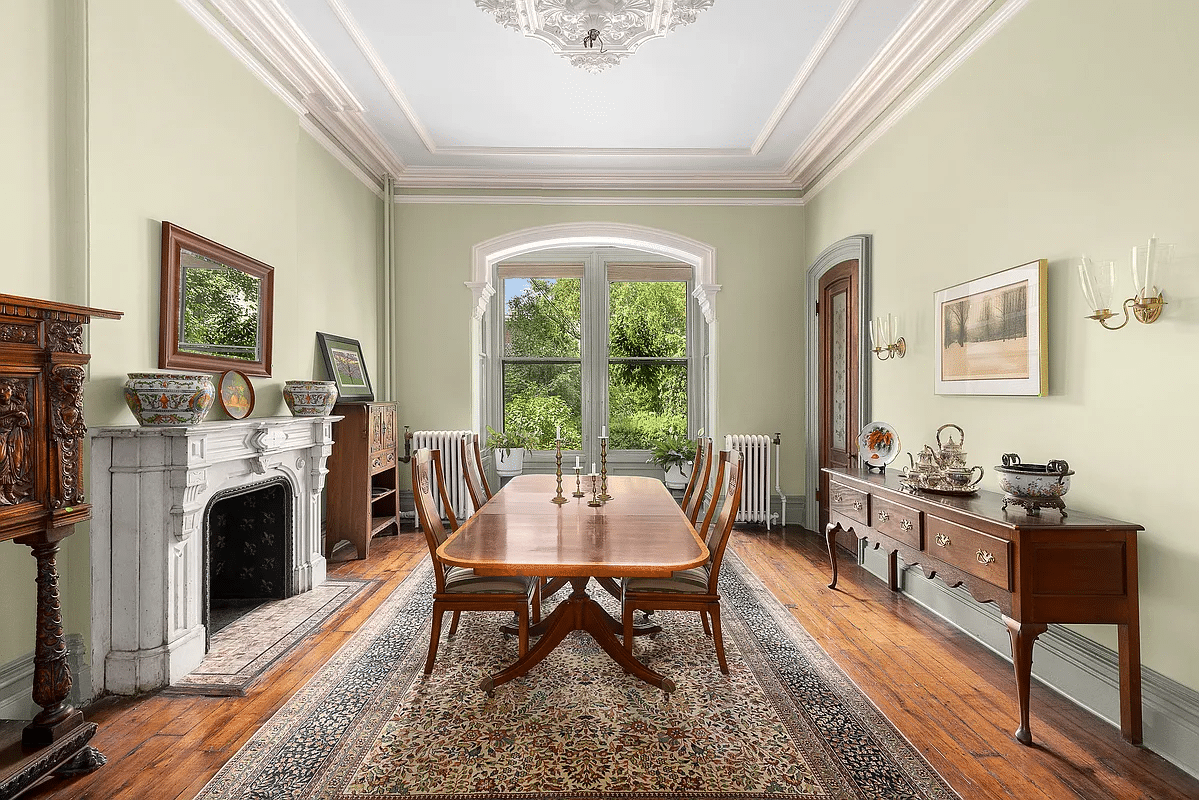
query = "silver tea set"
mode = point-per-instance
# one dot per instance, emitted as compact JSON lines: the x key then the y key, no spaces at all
{"x":943,"y":469}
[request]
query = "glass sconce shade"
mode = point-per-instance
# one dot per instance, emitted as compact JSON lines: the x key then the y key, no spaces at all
{"x":1098,"y":278}
{"x":1147,"y":259}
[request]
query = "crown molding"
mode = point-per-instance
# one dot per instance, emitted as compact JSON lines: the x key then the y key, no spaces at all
{"x":924,"y":36}
{"x":901,"y":109}
{"x":614,"y":180}
{"x":805,"y":71}
{"x":551,"y":200}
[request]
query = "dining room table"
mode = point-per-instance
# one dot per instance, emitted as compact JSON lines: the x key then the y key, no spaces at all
{"x":639,"y":532}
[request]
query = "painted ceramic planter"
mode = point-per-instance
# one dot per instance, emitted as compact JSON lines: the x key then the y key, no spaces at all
{"x":675,"y":478}
{"x":310,"y":398}
{"x":169,"y":398}
{"x":510,"y":462}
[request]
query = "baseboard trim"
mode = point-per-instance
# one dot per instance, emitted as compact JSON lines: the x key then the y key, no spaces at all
{"x":1076,"y":667}
{"x":16,"y":682}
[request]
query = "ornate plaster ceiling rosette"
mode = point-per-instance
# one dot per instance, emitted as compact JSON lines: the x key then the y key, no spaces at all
{"x":623,"y":25}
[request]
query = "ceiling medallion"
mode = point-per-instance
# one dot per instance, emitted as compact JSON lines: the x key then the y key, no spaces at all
{"x":594,"y":34}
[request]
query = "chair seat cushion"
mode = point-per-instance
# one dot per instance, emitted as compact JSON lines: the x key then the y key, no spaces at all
{"x":687,"y":581}
{"x":463,"y":580}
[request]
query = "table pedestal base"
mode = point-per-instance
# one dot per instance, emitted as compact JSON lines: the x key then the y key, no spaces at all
{"x":578,"y":613}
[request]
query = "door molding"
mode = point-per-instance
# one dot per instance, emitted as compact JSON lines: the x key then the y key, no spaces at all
{"x":850,"y":248}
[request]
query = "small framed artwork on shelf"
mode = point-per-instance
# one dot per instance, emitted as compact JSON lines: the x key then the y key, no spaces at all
{"x":991,"y":334}
{"x":236,"y":394}
{"x":345,"y":365}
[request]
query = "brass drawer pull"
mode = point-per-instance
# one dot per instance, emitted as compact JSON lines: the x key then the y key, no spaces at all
{"x":906,"y":524}
{"x":983,"y":557}
{"x":837,"y":498}
{"x":857,"y":505}
{"x":883,"y":516}
{"x":943,"y":540}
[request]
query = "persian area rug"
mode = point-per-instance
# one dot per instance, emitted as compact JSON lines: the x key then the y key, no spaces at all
{"x":246,"y":647}
{"x":785,"y":723}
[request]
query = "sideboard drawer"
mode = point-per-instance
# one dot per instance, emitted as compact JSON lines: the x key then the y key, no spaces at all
{"x":849,"y":502}
{"x":901,"y":523}
{"x":981,"y":555}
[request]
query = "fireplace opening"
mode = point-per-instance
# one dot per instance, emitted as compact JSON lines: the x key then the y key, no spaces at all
{"x":248,"y":531}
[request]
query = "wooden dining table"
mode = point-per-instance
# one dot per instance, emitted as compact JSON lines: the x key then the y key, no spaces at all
{"x":639,"y":532}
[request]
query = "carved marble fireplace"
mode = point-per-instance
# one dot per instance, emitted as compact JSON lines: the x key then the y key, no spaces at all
{"x":152,"y":489}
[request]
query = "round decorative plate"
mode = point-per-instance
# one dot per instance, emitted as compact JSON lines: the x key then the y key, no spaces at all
{"x":236,"y":394}
{"x":878,"y":444}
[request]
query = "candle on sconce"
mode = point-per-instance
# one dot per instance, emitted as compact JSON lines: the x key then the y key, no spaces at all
{"x":873,"y":340}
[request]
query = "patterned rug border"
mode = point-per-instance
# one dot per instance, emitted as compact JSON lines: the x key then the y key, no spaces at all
{"x":235,"y":684}
{"x":300,"y":733}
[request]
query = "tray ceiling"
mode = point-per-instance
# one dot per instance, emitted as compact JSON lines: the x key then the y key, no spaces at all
{"x":736,"y":94}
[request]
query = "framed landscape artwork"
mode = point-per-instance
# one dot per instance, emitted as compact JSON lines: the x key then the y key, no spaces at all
{"x":344,"y":365}
{"x":992,"y":334}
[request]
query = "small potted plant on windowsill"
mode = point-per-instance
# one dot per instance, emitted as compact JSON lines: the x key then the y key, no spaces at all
{"x":509,"y":448}
{"x":672,"y":452}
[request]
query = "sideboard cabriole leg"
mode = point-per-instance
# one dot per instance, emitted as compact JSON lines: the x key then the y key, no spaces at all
{"x":893,"y":570}
{"x":830,"y":536}
{"x":1024,"y":636}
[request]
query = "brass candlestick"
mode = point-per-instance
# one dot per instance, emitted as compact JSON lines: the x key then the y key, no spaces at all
{"x":558,"y":499}
{"x":578,"y":492}
{"x":604,"y":469}
{"x":594,"y":501}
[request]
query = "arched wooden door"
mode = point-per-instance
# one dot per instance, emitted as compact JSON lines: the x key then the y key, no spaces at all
{"x":837,"y":314}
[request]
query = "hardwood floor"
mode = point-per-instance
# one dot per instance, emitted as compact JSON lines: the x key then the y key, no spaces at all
{"x":950,"y":696}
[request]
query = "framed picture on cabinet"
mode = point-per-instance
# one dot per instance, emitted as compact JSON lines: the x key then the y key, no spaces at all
{"x":991,"y":334}
{"x":345,"y":365}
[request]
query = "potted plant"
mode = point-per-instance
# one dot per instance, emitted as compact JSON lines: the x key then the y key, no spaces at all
{"x":509,"y":448}
{"x":671,"y":453}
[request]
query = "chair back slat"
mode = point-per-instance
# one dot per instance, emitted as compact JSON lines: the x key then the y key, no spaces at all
{"x":697,"y":487}
{"x":728,"y":498}
{"x":472,"y":468}
{"x":423,"y":478}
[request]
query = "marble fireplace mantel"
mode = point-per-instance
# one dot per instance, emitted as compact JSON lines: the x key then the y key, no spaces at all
{"x":151,"y":488}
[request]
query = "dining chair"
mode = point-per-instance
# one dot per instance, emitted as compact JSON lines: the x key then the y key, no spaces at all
{"x":693,"y":589}
{"x":459,"y":589}
{"x":446,"y":506}
{"x":697,"y":487}
{"x":472,"y":468}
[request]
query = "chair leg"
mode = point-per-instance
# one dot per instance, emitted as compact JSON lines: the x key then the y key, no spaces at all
{"x":454,"y":622}
{"x":717,"y":639}
{"x":434,"y":635}
{"x":703,"y":615}
{"x":536,"y":600}
{"x":523,"y":639}
{"x":628,"y":626}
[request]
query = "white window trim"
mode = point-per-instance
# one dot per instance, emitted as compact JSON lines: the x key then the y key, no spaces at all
{"x":486,"y":255}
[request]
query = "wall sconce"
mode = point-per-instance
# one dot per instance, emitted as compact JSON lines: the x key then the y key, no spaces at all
{"x":1098,"y":280}
{"x":884,"y":331}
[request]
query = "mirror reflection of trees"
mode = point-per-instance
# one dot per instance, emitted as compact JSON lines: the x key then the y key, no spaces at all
{"x":219,"y":310}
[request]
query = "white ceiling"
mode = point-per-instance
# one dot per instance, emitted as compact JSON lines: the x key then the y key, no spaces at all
{"x":754,"y":94}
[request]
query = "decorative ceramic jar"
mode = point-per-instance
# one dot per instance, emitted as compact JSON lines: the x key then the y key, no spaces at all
{"x":1034,"y":486}
{"x":310,"y":398}
{"x":169,"y":398}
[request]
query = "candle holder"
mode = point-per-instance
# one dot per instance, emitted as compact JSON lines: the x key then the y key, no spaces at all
{"x":558,"y":499}
{"x":594,"y":501}
{"x":578,"y":492}
{"x":604,"y":469}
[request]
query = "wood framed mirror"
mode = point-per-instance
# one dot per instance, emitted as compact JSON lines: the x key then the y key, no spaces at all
{"x":216,"y":306}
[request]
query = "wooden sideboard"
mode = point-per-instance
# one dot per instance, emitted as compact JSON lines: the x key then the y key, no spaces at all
{"x":42,"y":431}
{"x":1038,"y":568}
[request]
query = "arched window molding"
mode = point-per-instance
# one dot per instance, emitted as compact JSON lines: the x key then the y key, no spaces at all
{"x":485,"y":255}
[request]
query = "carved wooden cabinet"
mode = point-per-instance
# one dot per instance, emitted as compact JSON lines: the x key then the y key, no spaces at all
{"x":1039,"y":569}
{"x":362,"y":495}
{"x":42,"y":431}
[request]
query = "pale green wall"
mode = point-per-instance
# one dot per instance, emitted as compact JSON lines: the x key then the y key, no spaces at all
{"x":759,"y":263}
{"x":1072,"y":130}
{"x":177,"y":130}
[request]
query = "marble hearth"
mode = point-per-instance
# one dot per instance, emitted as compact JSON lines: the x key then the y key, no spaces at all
{"x":152,"y":488}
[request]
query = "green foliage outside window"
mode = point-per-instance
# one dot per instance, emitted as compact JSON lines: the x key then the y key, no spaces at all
{"x":220,"y":313}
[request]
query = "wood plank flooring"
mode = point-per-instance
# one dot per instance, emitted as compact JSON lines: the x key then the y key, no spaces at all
{"x":950,"y":696}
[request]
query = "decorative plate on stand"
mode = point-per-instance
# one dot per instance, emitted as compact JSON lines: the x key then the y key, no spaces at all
{"x":878,"y":445}
{"x":236,"y":394}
